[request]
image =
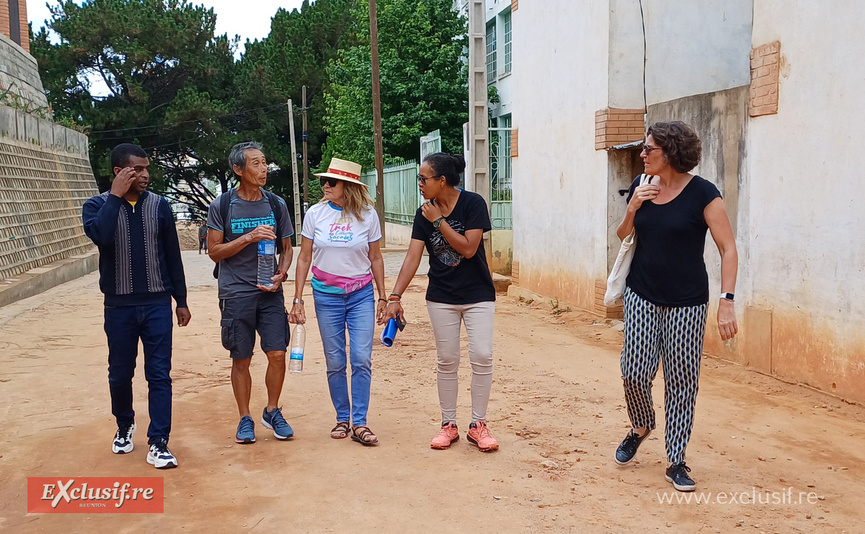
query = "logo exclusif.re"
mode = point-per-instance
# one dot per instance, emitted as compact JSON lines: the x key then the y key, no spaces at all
{"x":95,"y":495}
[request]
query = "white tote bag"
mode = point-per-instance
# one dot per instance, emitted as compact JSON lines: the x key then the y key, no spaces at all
{"x":619,"y":273}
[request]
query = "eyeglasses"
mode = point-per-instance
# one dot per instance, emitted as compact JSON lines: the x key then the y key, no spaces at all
{"x":329,"y":181}
{"x":648,"y":149}
{"x":421,"y":179}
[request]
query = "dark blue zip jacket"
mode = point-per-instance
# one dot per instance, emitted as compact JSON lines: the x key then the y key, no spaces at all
{"x":139,"y":252}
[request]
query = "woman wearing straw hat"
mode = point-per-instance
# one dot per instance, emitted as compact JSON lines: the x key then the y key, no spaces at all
{"x":340,"y":240}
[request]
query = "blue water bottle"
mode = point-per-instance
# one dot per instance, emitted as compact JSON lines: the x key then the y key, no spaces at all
{"x":390,"y":330}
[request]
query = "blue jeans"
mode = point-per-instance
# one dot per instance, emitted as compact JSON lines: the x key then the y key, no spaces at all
{"x":124,"y":326}
{"x":357,"y":312}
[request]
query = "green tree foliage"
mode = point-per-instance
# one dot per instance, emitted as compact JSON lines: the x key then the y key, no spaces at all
{"x":422,"y":76}
{"x":300,"y":45}
{"x":170,"y":83}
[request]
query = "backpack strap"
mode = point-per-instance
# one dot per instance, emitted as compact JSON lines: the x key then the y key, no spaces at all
{"x":224,"y":203}
{"x":277,"y":215}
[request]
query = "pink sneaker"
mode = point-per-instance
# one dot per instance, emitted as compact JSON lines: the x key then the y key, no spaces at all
{"x":446,"y":436}
{"x":480,"y":435}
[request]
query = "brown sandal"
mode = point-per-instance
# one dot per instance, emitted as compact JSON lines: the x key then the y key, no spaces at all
{"x":364,"y":437}
{"x":340,"y":431}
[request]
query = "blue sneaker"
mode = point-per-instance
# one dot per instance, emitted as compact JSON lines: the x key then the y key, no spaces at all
{"x":276,"y":422}
{"x":245,"y":430}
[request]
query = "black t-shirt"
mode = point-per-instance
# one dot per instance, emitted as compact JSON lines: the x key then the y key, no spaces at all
{"x":668,"y":267}
{"x":454,"y":279}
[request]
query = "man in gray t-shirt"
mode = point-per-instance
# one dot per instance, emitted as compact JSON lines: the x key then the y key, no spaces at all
{"x":247,"y":307}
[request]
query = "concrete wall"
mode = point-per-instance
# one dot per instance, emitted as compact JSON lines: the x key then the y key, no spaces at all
{"x":626,"y":55}
{"x":806,"y":222}
{"x":694,"y":46}
{"x":397,"y":234}
{"x":19,"y":74}
{"x":560,"y":189}
{"x":45,"y":178}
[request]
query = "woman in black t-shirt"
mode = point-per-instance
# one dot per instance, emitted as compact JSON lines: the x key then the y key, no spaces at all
{"x":667,"y":293}
{"x":451,"y":226}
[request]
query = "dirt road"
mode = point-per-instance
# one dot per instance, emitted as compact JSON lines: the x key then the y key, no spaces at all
{"x":557,"y":409}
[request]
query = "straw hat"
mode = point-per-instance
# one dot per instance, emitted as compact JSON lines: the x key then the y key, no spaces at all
{"x":341,"y":169}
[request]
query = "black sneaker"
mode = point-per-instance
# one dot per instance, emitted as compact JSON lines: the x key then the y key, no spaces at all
{"x":678,"y":475}
{"x":160,"y":457}
{"x":122,"y":443}
{"x":628,"y":448}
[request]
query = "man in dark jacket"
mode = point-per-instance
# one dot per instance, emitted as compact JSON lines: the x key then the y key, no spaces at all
{"x":140,"y":270}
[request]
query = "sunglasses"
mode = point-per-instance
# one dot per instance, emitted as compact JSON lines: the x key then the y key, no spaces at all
{"x":421,"y":179}
{"x":648,"y":149}
{"x":329,"y":181}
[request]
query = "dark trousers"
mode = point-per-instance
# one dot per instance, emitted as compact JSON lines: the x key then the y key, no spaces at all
{"x":124,"y":326}
{"x":674,"y":336}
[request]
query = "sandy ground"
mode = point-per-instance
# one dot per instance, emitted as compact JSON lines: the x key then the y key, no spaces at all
{"x":557,"y":409}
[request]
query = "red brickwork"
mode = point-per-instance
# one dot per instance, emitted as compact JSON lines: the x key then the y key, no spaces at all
{"x":618,"y":126}
{"x":515,"y":4}
{"x":5,"y":26}
{"x":765,"y":68}
{"x":614,"y":312}
{"x":515,"y":143}
{"x":4,"y":18}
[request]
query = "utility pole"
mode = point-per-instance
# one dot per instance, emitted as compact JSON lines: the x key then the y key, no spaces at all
{"x":376,"y":114}
{"x":305,"y":137}
{"x":478,"y":133}
{"x":294,"y":166}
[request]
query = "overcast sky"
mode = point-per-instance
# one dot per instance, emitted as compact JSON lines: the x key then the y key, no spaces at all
{"x":248,"y":18}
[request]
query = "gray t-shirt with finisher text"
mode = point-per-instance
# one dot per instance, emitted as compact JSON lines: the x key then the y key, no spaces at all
{"x":237,"y":274}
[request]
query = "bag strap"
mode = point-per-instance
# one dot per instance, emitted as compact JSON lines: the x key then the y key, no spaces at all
{"x":225,"y":202}
{"x":277,"y":216}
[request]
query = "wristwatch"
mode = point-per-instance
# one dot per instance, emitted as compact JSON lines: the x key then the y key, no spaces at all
{"x":727,"y":296}
{"x":438,"y":222}
{"x":298,"y":301}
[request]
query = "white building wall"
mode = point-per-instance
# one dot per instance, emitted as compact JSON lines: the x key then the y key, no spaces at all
{"x":808,"y":193}
{"x":694,"y":46}
{"x":560,"y":186}
{"x":626,"y":55}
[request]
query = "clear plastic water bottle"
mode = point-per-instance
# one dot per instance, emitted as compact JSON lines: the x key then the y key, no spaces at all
{"x":298,"y":338}
{"x":266,"y":263}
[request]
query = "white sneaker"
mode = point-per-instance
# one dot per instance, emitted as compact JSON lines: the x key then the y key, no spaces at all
{"x":122,"y":443}
{"x":160,"y":457}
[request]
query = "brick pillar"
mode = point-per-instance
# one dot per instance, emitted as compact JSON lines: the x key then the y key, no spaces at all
{"x":25,"y":30}
{"x":618,"y":126}
{"x":765,"y":69}
{"x":4,"y":18}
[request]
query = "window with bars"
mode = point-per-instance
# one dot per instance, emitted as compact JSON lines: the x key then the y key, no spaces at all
{"x":506,"y":20}
{"x":491,"y":52}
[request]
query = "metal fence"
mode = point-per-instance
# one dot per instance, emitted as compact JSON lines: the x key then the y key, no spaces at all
{"x":501,"y":195}
{"x":401,"y":194}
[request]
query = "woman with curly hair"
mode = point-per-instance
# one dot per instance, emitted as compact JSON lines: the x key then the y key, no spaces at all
{"x":667,"y":290}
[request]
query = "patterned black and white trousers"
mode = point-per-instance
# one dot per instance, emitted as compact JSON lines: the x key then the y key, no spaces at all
{"x":674,"y":336}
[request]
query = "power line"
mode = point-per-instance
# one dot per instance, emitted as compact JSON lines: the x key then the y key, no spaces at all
{"x":156,"y":126}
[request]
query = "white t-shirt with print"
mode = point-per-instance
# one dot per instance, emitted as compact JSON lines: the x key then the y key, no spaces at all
{"x":340,"y":245}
